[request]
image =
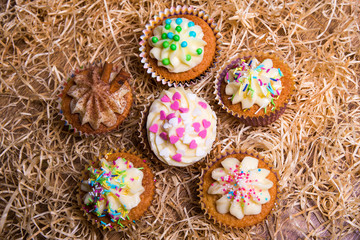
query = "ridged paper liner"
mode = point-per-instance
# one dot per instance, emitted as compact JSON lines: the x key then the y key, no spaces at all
{"x":270,"y":116}
{"x":63,"y":84}
{"x":92,"y":217}
{"x":160,"y":17}
{"x":221,"y":157}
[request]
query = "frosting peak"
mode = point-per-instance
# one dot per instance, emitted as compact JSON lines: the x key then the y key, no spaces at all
{"x":243,"y":186}
{"x":177,"y":44}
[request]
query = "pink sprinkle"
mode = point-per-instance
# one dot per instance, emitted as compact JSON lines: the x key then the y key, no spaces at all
{"x":196,"y":126}
{"x":177,"y":157}
{"x":162,"y":115}
{"x":202,"y":134}
{"x":164,"y":136}
{"x":277,"y":91}
{"x":261,"y":83}
{"x":183,"y":110}
{"x":144,"y":160}
{"x":179,"y":120}
{"x":132,"y":179}
{"x":170,"y":116}
{"x":154,"y":128}
{"x":203,"y":105}
{"x":176,"y":96}
{"x":268,"y":70}
{"x":165,"y":98}
{"x":206,"y":123}
{"x":174,"y":139}
{"x":193,"y":144}
{"x":180,"y":132}
{"x":175,"y":106}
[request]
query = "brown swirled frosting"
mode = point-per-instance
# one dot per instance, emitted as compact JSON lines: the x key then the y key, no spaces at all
{"x":98,"y":95}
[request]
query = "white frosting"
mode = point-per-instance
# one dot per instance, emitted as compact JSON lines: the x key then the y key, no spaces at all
{"x":114,"y":189}
{"x":254,"y":83}
{"x":177,"y":137}
{"x":93,"y":100}
{"x":244,"y":187}
{"x":178,"y":58}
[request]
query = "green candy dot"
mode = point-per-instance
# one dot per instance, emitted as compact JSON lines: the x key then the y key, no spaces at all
{"x":167,"y":26}
{"x":163,"y":36}
{"x":176,"y":38}
{"x":173,"y":47}
{"x":154,"y":39}
{"x":199,"y":51}
{"x":166,"y":44}
{"x":166,"y":61}
{"x":178,"y":29}
{"x":188,"y":57}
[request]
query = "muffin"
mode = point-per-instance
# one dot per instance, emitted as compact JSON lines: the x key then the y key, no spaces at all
{"x":255,"y":87}
{"x":116,"y":190}
{"x":180,"y":127}
{"x":238,"y":189}
{"x":97,"y":99}
{"x":179,"y":46}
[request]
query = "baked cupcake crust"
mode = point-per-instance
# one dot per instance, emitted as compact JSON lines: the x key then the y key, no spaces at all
{"x":74,"y":119}
{"x":208,"y":58}
{"x":146,"y":197}
{"x":208,"y":201}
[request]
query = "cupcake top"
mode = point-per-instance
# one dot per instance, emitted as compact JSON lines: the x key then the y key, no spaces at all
{"x":243,"y":186}
{"x":177,"y":44}
{"x":98,"y":95}
{"x":254,"y":83}
{"x":114,"y":189}
{"x":181,"y":127}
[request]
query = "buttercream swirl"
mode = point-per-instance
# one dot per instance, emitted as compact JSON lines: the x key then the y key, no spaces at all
{"x":181,"y":127}
{"x":244,"y":187}
{"x":254,"y":83}
{"x":93,"y":100}
{"x":177,"y":44}
{"x":114,"y":189}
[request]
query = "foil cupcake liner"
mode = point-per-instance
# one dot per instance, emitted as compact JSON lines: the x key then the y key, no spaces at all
{"x":270,"y":116}
{"x":160,"y":17}
{"x":222,"y":156}
{"x":105,"y":222}
{"x":60,"y":93}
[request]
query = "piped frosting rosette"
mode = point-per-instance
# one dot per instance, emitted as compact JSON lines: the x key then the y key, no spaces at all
{"x":180,"y":127}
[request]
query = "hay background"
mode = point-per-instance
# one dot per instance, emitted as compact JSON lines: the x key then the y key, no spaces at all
{"x":315,"y":145}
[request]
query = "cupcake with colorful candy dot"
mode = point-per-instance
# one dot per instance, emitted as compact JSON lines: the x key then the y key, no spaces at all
{"x":116,"y":190}
{"x":179,"y":46}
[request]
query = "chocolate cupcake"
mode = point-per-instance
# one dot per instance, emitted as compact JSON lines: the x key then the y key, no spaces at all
{"x":96,"y":99}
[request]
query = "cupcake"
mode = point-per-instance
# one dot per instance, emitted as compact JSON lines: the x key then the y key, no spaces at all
{"x":116,"y":190}
{"x":180,"y":127}
{"x":238,"y":189}
{"x":180,"y":45}
{"x":255,"y":87}
{"x":97,"y":99}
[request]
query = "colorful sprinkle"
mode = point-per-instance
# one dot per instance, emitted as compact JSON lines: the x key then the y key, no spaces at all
{"x":168,"y":21}
{"x":173,"y":47}
{"x":163,"y":36}
{"x":167,"y":26}
{"x":166,"y":61}
{"x":178,"y":21}
{"x":170,"y":35}
{"x":184,"y":44}
{"x":177,"y":157}
{"x":188,"y":57}
{"x":154,"y":128}
{"x":178,"y":29}
{"x":176,"y":37}
{"x":154,"y":39}
{"x":192,"y":34}
{"x":191,"y":24}
{"x":199,"y":51}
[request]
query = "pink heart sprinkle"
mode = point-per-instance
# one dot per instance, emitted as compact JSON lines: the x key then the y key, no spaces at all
{"x":154,"y":128}
{"x":175,"y":106}
{"x":196,"y":126}
{"x":177,"y":157}
{"x":174,"y":139}
{"x":165,"y":98}
{"x":180,"y":132}
{"x":206,"y":123}
{"x":162,"y":115}
{"x":203,"y":105}
{"x":176,"y":96}
{"x":193,"y":144}
{"x":183,"y":110}
{"x":179,"y":120}
{"x":170,"y":116}
{"x":202,"y":134}
{"x":164,"y":136}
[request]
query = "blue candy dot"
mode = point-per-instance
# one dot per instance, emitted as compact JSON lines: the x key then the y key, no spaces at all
{"x":183,"y":44}
{"x":168,"y":21}
{"x":170,"y":35}
{"x":178,"y":21}
{"x":192,"y":34}
{"x":191,"y":24}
